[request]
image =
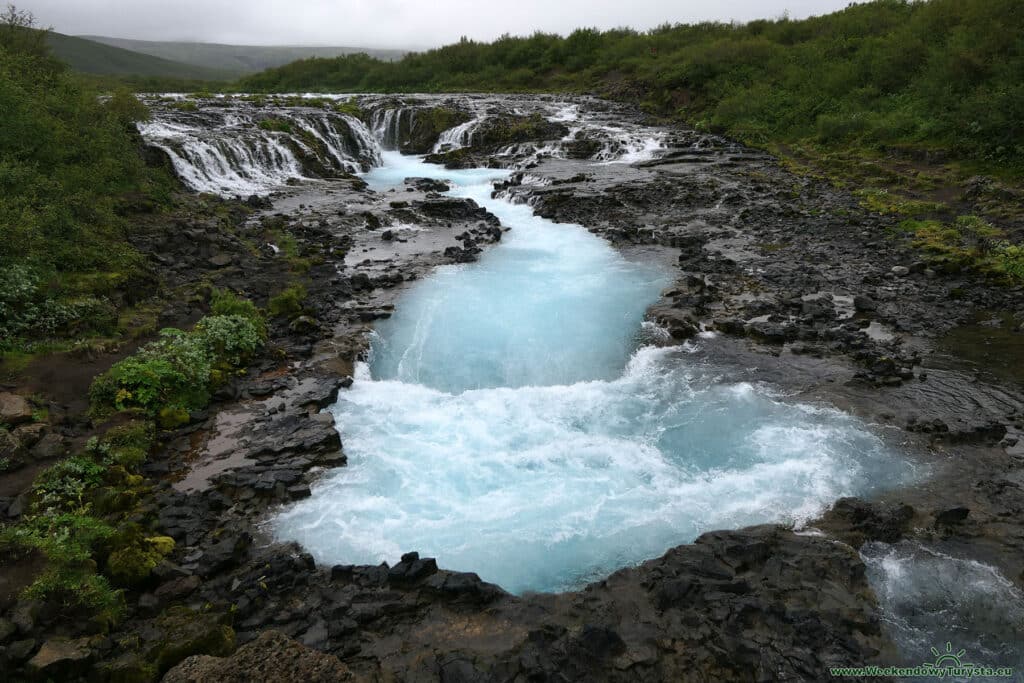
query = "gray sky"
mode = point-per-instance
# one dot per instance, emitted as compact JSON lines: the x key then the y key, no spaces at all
{"x":385,"y":23}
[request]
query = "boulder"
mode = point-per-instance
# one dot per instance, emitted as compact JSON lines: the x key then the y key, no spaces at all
{"x":864,"y":303}
{"x":30,"y":434}
{"x":60,"y":659}
{"x":14,"y":410}
{"x":857,"y":521}
{"x":50,"y":446}
{"x":10,"y":445}
{"x":184,"y":633}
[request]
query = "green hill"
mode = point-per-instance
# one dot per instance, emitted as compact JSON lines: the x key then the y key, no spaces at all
{"x":938,"y":76}
{"x":87,"y":56}
{"x":238,"y":59}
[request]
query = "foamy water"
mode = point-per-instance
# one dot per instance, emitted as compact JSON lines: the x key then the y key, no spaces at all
{"x":512,"y":423}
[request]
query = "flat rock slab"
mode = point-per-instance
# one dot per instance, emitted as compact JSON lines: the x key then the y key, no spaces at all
{"x":271,"y":657}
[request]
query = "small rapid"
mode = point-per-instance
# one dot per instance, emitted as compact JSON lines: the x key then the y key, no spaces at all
{"x":513,"y":421}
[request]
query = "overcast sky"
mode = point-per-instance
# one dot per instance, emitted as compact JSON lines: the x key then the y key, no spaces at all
{"x":385,"y":23}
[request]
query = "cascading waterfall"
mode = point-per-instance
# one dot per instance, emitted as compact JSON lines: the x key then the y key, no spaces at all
{"x":512,"y":423}
{"x":225,"y":151}
{"x":458,"y":137}
{"x":388,"y":124}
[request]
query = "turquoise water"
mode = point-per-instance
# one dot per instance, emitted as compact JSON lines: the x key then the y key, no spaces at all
{"x":512,"y":423}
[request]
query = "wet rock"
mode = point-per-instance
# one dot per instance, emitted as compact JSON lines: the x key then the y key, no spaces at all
{"x":130,"y":667}
{"x":951,"y":516}
{"x":412,"y":569}
{"x":255,"y":201}
{"x":7,"y":630}
{"x":455,"y":209}
{"x":678,"y":324}
{"x":30,"y":434}
{"x":14,"y":410}
{"x":177,"y":589}
{"x":220,"y":260}
{"x":428,"y":184}
{"x":864,"y":303}
{"x":271,"y":657}
{"x":60,"y":659}
{"x":857,"y":521}
{"x":50,"y":446}
{"x":224,"y":554}
{"x":601,"y":642}
{"x":772,"y":333}
{"x":732,"y":326}
{"x":183,"y":633}
{"x":24,"y":615}
{"x":933,"y":426}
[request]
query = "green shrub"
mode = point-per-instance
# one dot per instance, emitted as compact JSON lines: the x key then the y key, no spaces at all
{"x":28,"y":309}
{"x":276,"y":125}
{"x":63,"y":523}
{"x":172,"y":417}
{"x":79,"y":589}
{"x":230,"y":339}
{"x":1011,"y":258}
{"x":288,"y":303}
{"x":68,"y":541}
{"x":226,"y":302}
{"x":172,"y":371}
{"x":129,"y":444}
{"x":64,"y":485}
{"x":174,"y":374}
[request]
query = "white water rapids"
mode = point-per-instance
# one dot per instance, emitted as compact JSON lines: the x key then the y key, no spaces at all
{"x":512,"y":423}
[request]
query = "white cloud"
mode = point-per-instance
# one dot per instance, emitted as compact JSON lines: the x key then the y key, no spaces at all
{"x":385,"y":23}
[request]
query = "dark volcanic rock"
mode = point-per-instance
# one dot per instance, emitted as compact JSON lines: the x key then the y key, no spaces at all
{"x":271,"y":657}
{"x":857,"y":521}
{"x":455,"y":209}
{"x":428,"y":184}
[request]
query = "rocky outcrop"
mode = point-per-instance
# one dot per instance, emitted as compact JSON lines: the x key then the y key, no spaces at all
{"x":271,"y":657}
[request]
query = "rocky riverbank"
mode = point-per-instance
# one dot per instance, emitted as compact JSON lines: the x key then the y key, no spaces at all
{"x":805,"y":290}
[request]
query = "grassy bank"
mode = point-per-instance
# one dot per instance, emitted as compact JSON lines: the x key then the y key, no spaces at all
{"x":72,"y":179}
{"x":942,"y":76}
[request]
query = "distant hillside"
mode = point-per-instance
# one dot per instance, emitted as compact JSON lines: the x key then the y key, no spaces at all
{"x":237,"y":59}
{"x":90,"y":57}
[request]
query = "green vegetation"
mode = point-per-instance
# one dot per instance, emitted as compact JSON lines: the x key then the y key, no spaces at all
{"x":880,"y":75}
{"x":82,"y":519}
{"x":88,"y":56}
{"x":237,"y":59}
{"x":84,"y":516}
{"x":176,"y":373}
{"x":70,"y":176}
{"x":967,"y":243}
{"x":276,"y":125}
{"x":288,"y":303}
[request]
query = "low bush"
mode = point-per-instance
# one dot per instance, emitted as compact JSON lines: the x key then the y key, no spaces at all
{"x":287,"y":303}
{"x":82,"y":513}
{"x":176,"y":373}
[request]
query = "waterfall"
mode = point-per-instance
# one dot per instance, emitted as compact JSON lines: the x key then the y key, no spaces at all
{"x":388,"y":124}
{"x":457,"y":137}
{"x":232,"y":150}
